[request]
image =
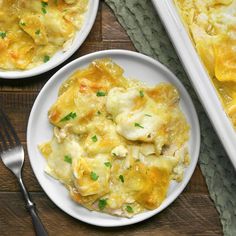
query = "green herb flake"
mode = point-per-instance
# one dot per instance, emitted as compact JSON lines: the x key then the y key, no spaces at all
{"x":68,"y":159}
{"x":141,"y":93}
{"x":44,"y":11}
{"x":99,"y":113}
{"x":37,"y":32}
{"x":101,"y":94}
{"x":94,"y":138}
{"x":148,"y":115}
{"x":129,"y":209}
{"x":121,"y":177}
{"x":44,"y":4}
{"x":46,"y":58}
{"x":3,"y":34}
{"x":94,"y":176}
{"x":138,"y":125}
{"x":102,"y":203}
{"x":109,"y":117}
{"x":70,"y":116}
{"x":108,"y":164}
{"x":22,"y":24}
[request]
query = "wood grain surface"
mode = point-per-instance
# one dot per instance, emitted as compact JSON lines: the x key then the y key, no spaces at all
{"x":193,"y":213}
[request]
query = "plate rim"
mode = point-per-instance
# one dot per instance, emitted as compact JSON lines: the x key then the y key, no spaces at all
{"x":26,"y":74}
{"x":107,"y":53}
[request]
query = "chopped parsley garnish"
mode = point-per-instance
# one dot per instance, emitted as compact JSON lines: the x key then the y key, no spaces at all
{"x":68,"y":159}
{"x":101,"y":94}
{"x":114,"y":154}
{"x":148,"y":115}
{"x":46,"y":58}
{"x":94,"y":139}
{"x":44,"y":5}
{"x":138,"y":125}
{"x":94,"y":176}
{"x":99,"y":113}
{"x":22,"y":23}
{"x":70,"y":116}
{"x":102,"y":203}
{"x":108,"y":164}
{"x":37,"y":32}
{"x":3,"y":34}
{"x":129,"y":209}
{"x":121,"y":177}
{"x":109,"y":117}
{"x":44,"y":11}
{"x":141,"y":93}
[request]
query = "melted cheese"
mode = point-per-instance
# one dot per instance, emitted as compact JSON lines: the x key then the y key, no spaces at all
{"x":117,"y":143}
{"x":82,"y":169}
{"x":212,"y":26}
{"x":33,"y":31}
{"x":137,"y":117}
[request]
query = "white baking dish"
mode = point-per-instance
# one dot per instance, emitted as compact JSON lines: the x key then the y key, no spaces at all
{"x":197,"y":74}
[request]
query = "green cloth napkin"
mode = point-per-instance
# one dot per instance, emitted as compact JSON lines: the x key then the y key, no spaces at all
{"x":145,"y":29}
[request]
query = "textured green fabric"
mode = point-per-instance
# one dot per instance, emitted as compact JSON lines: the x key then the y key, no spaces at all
{"x":143,"y":26}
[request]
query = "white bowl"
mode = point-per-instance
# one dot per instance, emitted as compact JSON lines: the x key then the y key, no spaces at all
{"x":60,"y":56}
{"x":39,"y":130}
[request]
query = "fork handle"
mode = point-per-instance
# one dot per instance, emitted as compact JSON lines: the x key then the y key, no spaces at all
{"x":38,"y":226}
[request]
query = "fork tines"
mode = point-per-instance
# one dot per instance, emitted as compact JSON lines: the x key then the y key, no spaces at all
{"x":8,"y":136}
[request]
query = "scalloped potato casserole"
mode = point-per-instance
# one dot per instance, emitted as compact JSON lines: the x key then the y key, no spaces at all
{"x":212,"y":26}
{"x":117,"y":143}
{"x":31,"y":32}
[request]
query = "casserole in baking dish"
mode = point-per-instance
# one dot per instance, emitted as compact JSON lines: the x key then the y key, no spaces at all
{"x":214,"y":99}
{"x":212,"y":27}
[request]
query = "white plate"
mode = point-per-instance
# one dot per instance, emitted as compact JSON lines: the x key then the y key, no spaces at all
{"x":39,"y":130}
{"x":60,"y":56}
{"x":198,"y":75}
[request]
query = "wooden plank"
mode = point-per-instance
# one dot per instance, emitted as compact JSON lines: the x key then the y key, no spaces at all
{"x":190,"y":214}
{"x":197,"y":183}
{"x":17,"y":106}
{"x":94,"y":47}
{"x":111,"y":28}
{"x":95,"y":34}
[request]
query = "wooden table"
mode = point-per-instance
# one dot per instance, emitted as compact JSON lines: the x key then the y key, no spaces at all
{"x":193,"y":213}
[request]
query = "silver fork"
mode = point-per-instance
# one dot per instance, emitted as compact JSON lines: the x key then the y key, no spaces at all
{"x":12,"y":154}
